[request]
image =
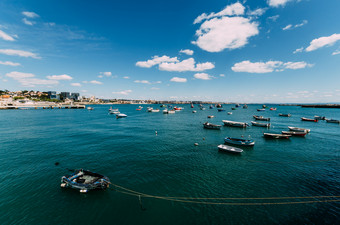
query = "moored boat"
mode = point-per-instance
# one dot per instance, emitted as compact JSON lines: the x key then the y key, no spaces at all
{"x":220,"y":110}
{"x":295,"y":133}
{"x":261,"y":118}
{"x":229,"y":113}
{"x":194,"y":111}
{"x":273,"y":109}
{"x":230,"y":149}
{"x":234,"y":124}
{"x":165,"y":111}
{"x":257,"y":124}
{"x":259,"y":110}
{"x":155,"y":110}
{"x":211,"y":126}
{"x":332,"y":121}
{"x":276,"y":136}
{"x":85,"y":180}
{"x":299,"y":129}
{"x":211,"y":116}
{"x":233,"y":108}
{"x":121,"y":115}
{"x":171,"y":111}
{"x":308,"y":119}
{"x":245,"y":106}
{"x":285,"y":115}
{"x":239,"y":141}
{"x":90,"y":108}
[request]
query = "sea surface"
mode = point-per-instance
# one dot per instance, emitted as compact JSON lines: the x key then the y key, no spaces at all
{"x":167,"y":163}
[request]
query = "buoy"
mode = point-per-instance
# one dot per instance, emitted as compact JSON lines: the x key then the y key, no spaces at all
{"x":196,"y":144}
{"x":156,"y":132}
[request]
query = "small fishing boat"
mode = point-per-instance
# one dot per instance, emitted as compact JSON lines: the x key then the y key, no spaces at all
{"x":149,"y":109}
{"x":90,"y":108}
{"x":264,"y":106}
{"x":178,"y":108}
{"x":211,"y":126}
{"x":202,"y":108}
{"x":239,"y":141}
{"x":273,"y":109}
{"x":220,"y":110}
{"x":194,"y":111}
{"x":121,"y":115}
{"x":211,"y":116}
{"x":245,"y":106}
{"x":332,"y":121}
{"x":171,"y":111}
{"x":155,"y":110}
{"x":285,"y":115}
{"x":192,"y":106}
{"x":85,"y":180}
{"x":114,"y":112}
{"x":261,"y":110}
{"x":138,"y":109}
{"x":234,"y":124}
{"x":229,"y":113}
{"x":211,"y":107}
{"x":237,"y":105}
{"x":295,"y":133}
{"x":299,"y":129}
{"x":257,"y":124}
{"x":233,"y":108}
{"x":261,"y":118}
{"x":230,"y":149}
{"x":308,"y":119}
{"x":218,"y":106}
{"x":276,"y":136}
{"x":162,"y":106}
{"x":319,"y":117}
{"x":165,"y":111}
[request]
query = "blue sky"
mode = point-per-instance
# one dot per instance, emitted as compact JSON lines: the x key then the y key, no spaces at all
{"x":236,"y":51}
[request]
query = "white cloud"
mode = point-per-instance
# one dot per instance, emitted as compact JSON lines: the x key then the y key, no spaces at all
{"x":156,"y":60}
{"x":298,"y":50}
{"x":290,"y":26}
{"x":267,"y":67}
{"x":126,"y":77}
{"x":186,"y":65}
{"x":60,"y":77}
{"x":218,"y":34}
{"x":202,"y":76}
{"x":322,"y":42}
{"x":29,"y":80}
{"x":277,"y":3}
{"x":158,"y":82}
{"x":178,"y":79}
{"x":100,"y":76}
{"x":108,"y":74}
{"x":5,"y":36}
{"x":76,"y":84}
{"x":230,"y":10}
{"x":142,"y":81}
{"x":95,"y":82}
{"x":257,"y":12}
{"x":19,"y":53}
{"x":155,"y":88}
{"x":126,"y":92}
{"x":336,"y":52}
{"x":222,"y":75}
{"x":30,"y":14}
{"x":187,"y":51}
{"x":8,"y":63}
{"x":274,"y":18}
{"x":27,"y":22}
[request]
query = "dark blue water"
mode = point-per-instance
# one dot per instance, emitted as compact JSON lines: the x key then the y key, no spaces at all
{"x":129,"y":152}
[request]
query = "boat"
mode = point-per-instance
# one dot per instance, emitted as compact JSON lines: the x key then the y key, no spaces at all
{"x":261,"y":118}
{"x":257,"y":124}
{"x":295,"y":133}
{"x":273,"y":109}
{"x":85,"y":180}
{"x":239,"y":141}
{"x":276,"y":136}
{"x":121,"y":115}
{"x":332,"y":121}
{"x":220,"y":110}
{"x":229,"y":113}
{"x":162,"y":106}
{"x":192,"y":106}
{"x":285,"y":115}
{"x":211,"y":107}
{"x":138,"y":109}
{"x":261,"y":110}
{"x":114,"y":112}
{"x":155,"y":110}
{"x":308,"y":119}
{"x":299,"y":129}
{"x":237,"y":105}
{"x":233,"y":108}
{"x":319,"y":117}
{"x":149,"y":109}
{"x":178,"y":108}
{"x":165,"y":111}
{"x":245,"y":106}
{"x":230,"y":149}
{"x":171,"y":111}
{"x":211,"y":126}
{"x":90,"y":108}
{"x":234,"y":124}
{"x":264,"y":106}
{"x":218,"y":106}
{"x":202,"y":108}
{"x":211,"y":116}
{"x":194,"y":111}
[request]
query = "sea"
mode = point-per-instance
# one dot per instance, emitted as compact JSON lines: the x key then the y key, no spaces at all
{"x":173,"y":181}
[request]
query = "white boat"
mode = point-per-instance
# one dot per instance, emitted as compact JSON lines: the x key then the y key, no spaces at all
{"x":171,"y":111}
{"x":229,"y":113}
{"x":227,"y":148}
{"x":260,"y":124}
{"x":234,"y":124}
{"x":90,"y":108}
{"x":155,"y":110}
{"x":211,"y":116}
{"x":276,"y":136}
{"x":165,"y":111}
{"x":194,"y":111}
{"x":121,"y":115}
{"x":150,"y":109}
{"x":299,"y":129}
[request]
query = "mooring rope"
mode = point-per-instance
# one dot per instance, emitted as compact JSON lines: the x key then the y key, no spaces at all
{"x":199,"y":200}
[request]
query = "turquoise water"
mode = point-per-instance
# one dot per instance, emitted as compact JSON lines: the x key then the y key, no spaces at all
{"x":129,"y":152}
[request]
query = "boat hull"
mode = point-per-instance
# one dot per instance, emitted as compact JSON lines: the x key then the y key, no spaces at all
{"x":229,"y":149}
{"x":238,"y":141}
